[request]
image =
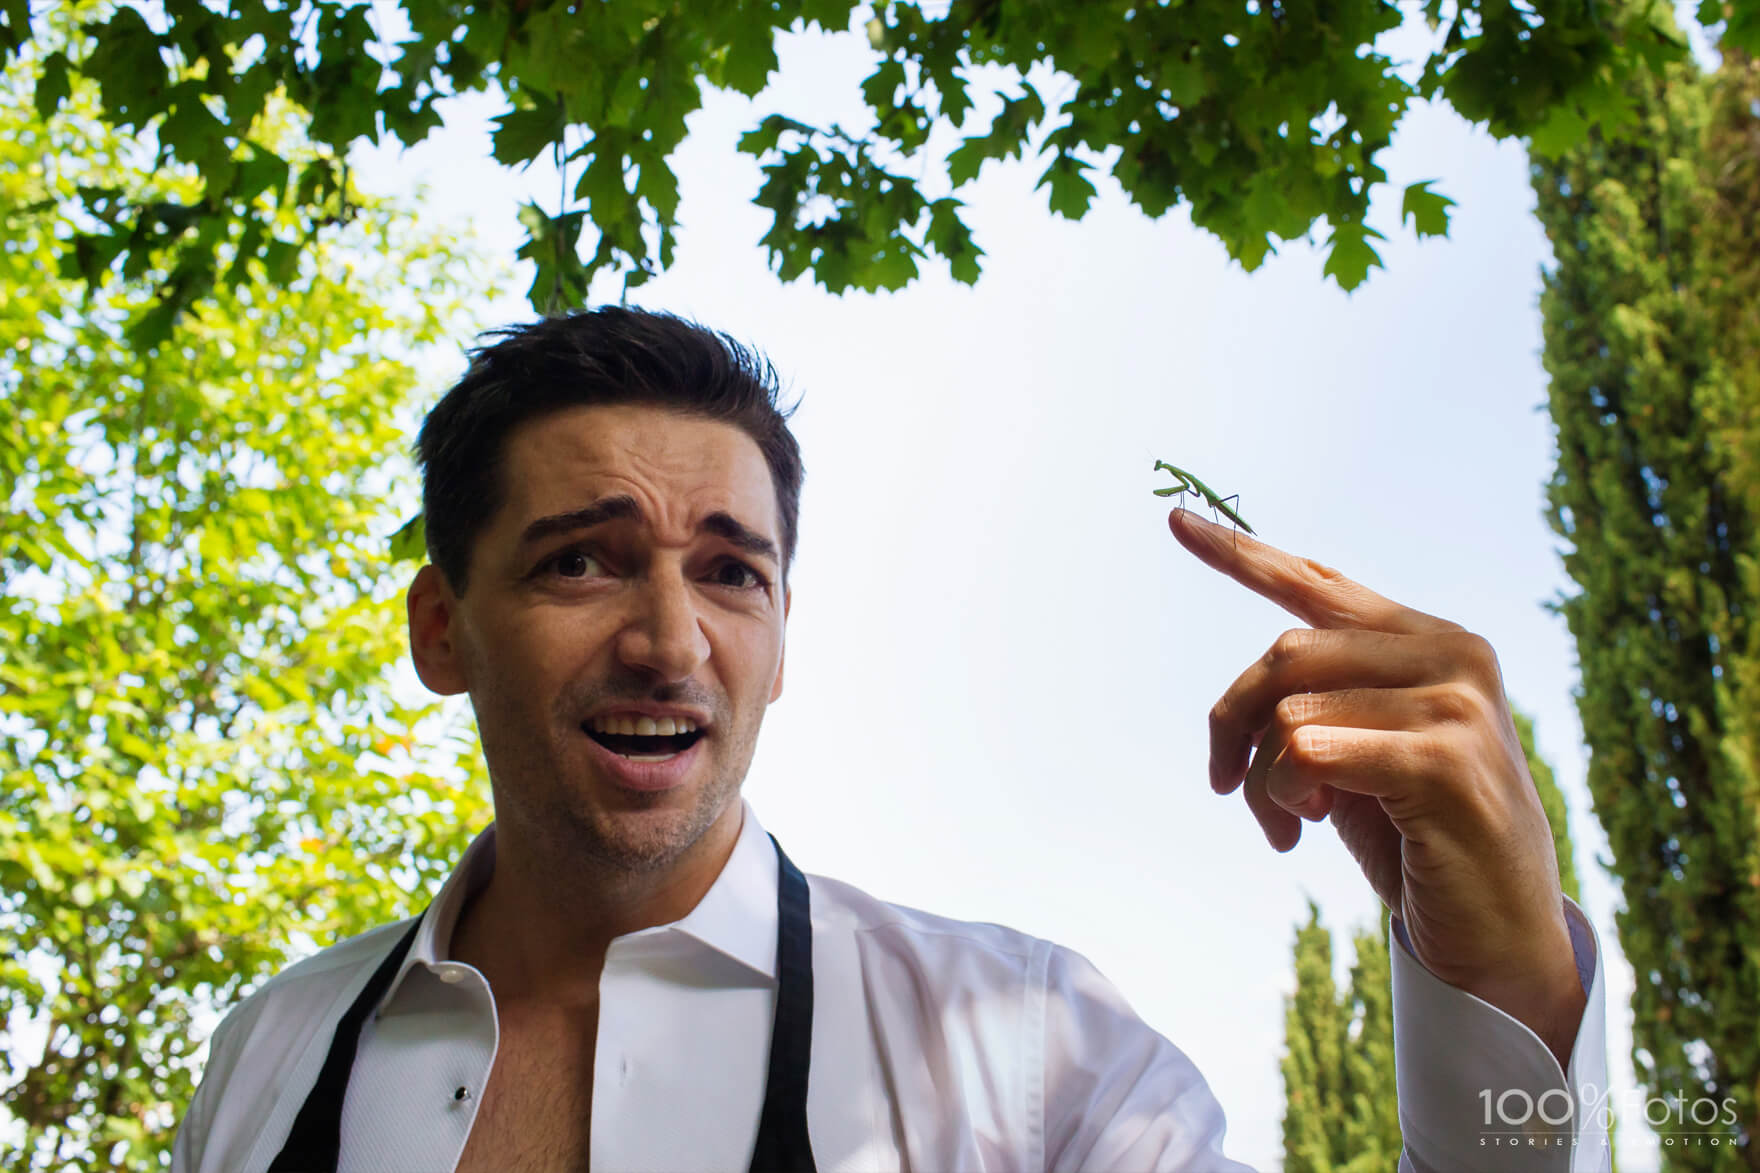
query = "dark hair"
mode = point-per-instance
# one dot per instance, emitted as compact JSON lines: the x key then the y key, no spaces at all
{"x":612,"y":355}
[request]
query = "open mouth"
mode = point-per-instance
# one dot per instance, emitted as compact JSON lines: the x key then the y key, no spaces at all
{"x":636,"y":746}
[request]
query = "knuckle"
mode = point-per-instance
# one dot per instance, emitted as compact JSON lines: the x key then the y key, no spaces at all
{"x":1219,"y":715}
{"x":1478,"y":655}
{"x":1310,"y":745}
{"x":1456,"y":702}
{"x":1293,"y":710}
{"x":1288,"y":647}
{"x":1323,"y":574}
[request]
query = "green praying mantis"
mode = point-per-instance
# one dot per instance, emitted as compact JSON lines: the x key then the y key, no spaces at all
{"x":1191,"y":484}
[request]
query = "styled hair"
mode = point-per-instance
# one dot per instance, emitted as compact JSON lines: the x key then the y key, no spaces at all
{"x":611,"y":355}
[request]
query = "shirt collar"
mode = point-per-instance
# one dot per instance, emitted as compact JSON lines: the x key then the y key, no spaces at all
{"x":736,"y":916}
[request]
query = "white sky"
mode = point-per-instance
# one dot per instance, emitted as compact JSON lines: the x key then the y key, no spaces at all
{"x":999,"y":660}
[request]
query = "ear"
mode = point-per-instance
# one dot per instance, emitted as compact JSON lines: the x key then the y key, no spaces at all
{"x":787,"y":601}
{"x":432,"y":639}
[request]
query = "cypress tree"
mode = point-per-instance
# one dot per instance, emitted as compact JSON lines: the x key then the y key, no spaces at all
{"x":1369,"y":1128}
{"x":1316,"y":1034}
{"x":1648,"y":327}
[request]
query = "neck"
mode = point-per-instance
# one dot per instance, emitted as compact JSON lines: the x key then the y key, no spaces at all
{"x":539,"y":939}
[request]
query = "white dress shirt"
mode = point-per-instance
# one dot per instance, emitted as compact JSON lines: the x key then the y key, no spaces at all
{"x":938,"y":1045}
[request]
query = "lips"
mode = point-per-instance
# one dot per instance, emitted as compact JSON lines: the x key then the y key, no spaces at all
{"x":651,"y":775}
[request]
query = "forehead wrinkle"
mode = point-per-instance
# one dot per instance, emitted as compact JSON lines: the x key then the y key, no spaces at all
{"x":563,"y":465}
{"x":720,"y":523}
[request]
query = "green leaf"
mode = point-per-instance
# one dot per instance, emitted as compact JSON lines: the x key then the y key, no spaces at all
{"x":15,"y":24}
{"x":768,"y":133}
{"x":152,"y":328}
{"x":553,"y":245}
{"x":1186,"y":82}
{"x":751,"y":57}
{"x":260,"y":171}
{"x":522,"y":134}
{"x":342,"y":92}
{"x":628,"y":95}
{"x":1428,"y":210}
{"x":93,"y":253}
{"x":1071,"y":193}
{"x":602,"y":182}
{"x":831,"y":15}
{"x":1349,"y":255}
{"x":410,"y":542}
{"x":762,"y":137}
{"x":892,"y":269}
{"x":281,"y":261}
{"x":52,"y":84}
{"x":948,"y":235}
{"x":1561,"y":130}
{"x":249,"y":91}
{"x":412,"y":123}
{"x":1251,"y":250}
{"x":656,"y":184}
{"x":200,"y":138}
{"x":129,"y":71}
{"x":966,"y":160}
{"x":881,"y":86}
{"x":1005,"y":139}
{"x":955,"y":96}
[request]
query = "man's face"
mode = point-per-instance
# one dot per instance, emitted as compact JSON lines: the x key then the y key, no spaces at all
{"x":667,"y":602}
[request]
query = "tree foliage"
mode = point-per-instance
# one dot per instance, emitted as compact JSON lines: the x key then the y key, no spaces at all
{"x":1341,"y":1111}
{"x":1263,"y":117}
{"x":199,"y":750}
{"x":1649,"y":328}
{"x":1341,"y":1107}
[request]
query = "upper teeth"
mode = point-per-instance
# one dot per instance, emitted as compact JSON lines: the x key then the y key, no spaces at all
{"x":644,"y":726}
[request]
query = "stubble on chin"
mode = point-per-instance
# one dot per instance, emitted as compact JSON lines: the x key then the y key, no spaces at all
{"x":647,"y":836}
{"x":646,"y":833}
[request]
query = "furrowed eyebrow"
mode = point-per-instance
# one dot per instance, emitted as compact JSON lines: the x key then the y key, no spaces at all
{"x":603,"y":510}
{"x":624,"y":508}
{"x":730,"y":528}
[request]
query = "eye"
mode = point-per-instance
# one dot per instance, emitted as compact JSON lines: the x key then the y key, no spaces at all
{"x":757,"y":581}
{"x":565,"y":562}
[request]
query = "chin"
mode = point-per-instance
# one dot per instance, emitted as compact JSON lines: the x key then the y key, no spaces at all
{"x":652,"y":835}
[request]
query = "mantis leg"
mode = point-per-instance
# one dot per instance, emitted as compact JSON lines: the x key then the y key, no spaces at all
{"x":1224,"y":501}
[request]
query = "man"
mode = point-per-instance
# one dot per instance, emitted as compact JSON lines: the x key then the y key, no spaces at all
{"x":624,"y":972}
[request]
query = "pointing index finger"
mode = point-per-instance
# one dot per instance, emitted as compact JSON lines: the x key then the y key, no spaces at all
{"x":1315,"y":593}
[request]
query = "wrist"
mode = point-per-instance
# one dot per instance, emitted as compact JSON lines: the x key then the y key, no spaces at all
{"x":1549,"y":1001}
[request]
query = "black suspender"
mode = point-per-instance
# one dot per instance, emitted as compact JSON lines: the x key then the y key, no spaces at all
{"x":317,"y":1131}
{"x":783,"y":1144}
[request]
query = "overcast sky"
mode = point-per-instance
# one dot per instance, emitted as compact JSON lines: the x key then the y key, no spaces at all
{"x":999,"y":660}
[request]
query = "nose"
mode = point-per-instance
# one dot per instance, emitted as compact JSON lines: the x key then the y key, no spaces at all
{"x":665,"y":636}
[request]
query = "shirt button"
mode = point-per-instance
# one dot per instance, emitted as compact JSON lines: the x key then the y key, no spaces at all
{"x":451,"y":973}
